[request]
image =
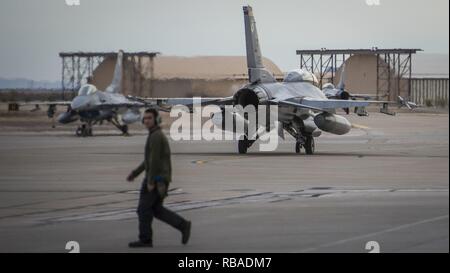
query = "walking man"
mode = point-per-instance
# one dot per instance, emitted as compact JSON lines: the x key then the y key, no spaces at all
{"x":158,"y":174}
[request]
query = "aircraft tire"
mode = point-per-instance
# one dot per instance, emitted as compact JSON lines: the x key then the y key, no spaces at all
{"x":298,"y":147}
{"x":243,"y":146}
{"x":79,"y":132}
{"x":125,"y":129}
{"x":310,"y":145}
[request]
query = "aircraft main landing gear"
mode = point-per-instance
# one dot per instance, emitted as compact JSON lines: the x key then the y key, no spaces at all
{"x":309,"y":145}
{"x":123,"y":128}
{"x":243,"y":145}
{"x":298,"y":147}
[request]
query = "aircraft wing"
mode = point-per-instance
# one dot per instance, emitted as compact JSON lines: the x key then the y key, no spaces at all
{"x":361,"y":96}
{"x":314,"y":104}
{"x":323,"y":105}
{"x":295,"y":104}
{"x":64,"y":103}
{"x":131,"y":104}
{"x":51,"y":105}
{"x":163,"y":104}
{"x":334,"y":103}
{"x":167,"y":103}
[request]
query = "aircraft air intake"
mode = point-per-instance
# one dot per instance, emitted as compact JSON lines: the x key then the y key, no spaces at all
{"x":131,"y":116}
{"x":67,"y":117}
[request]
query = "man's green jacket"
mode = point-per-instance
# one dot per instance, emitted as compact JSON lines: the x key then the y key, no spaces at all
{"x":157,"y":164}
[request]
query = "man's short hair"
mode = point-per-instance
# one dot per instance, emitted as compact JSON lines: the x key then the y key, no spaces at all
{"x":152,"y":111}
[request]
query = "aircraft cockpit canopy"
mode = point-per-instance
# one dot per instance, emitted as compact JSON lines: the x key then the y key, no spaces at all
{"x":87,"y":90}
{"x":300,"y":75}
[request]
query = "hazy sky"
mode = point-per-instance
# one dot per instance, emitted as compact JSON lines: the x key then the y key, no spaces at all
{"x":33,"y":32}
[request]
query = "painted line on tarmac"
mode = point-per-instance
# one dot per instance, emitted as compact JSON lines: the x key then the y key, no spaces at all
{"x":358,"y":126}
{"x":377,"y":233}
{"x":248,"y":198}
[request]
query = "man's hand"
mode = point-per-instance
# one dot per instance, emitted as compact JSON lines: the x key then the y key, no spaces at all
{"x":130,"y":177}
{"x":158,"y":178}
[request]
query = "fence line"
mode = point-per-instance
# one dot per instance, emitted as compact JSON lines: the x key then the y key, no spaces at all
{"x":430,"y":91}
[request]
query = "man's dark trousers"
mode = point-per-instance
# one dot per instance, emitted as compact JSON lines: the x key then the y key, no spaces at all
{"x":151,"y":205}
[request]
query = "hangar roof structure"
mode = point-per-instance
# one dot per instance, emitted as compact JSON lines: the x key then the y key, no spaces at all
{"x":81,"y":67}
{"x":78,"y":67}
{"x":393,"y":66}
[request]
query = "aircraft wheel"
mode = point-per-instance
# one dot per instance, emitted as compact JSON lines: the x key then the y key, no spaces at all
{"x":84,"y":132}
{"x":79,"y":131}
{"x":243,"y":145}
{"x":310,"y":145}
{"x":298,"y":147}
{"x":124,"y":129}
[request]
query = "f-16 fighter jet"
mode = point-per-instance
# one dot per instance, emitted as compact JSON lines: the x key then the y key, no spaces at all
{"x":92,"y":106}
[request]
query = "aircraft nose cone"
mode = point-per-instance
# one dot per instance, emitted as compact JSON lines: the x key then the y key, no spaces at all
{"x":80,"y":103}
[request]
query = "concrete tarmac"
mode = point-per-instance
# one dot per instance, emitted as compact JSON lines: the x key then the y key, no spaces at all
{"x":386,"y":181}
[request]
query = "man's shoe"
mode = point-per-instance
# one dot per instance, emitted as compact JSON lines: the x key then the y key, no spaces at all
{"x":137,"y":244}
{"x":186,"y":233}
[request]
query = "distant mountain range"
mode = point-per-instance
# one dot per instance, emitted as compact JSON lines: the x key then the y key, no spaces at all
{"x":430,"y":65}
{"x":21,"y":83}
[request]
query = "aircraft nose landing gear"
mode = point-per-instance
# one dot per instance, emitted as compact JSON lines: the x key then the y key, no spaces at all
{"x":124,"y":129}
{"x":303,"y":140}
{"x":84,"y":130}
{"x":308,"y":143}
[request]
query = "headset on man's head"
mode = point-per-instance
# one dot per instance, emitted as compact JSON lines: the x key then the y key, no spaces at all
{"x":156,"y":115}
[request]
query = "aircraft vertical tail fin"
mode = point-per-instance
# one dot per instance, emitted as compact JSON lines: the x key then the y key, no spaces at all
{"x":116,"y":83}
{"x":256,"y":70}
{"x":341,"y":84}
